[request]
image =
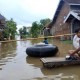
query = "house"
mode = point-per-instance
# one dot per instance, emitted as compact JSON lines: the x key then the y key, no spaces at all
{"x":2,"y":26}
{"x":46,"y":30}
{"x":66,"y":18}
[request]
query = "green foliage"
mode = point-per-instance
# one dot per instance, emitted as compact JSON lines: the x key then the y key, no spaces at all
{"x":6,"y":32}
{"x":10,"y":29}
{"x":35,"y":30}
{"x":45,"y":22}
{"x":23,"y":32}
{"x":37,"y":27}
{"x":67,"y":41}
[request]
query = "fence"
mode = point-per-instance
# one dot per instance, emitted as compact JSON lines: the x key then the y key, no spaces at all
{"x":61,"y":37}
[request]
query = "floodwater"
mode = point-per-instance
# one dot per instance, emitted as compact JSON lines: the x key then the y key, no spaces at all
{"x":16,"y":65}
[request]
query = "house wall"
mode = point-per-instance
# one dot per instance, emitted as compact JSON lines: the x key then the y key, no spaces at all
{"x":59,"y":26}
{"x":2,"y":27}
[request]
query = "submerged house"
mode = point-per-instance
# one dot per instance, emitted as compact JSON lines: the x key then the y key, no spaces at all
{"x":66,"y":18}
{"x":2,"y":26}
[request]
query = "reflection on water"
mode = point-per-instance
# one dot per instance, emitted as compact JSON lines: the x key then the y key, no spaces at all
{"x":34,"y":61}
{"x":63,"y":47}
{"x":36,"y":41}
{"x":65,"y":71}
{"x":60,"y":76}
{"x":16,"y":65}
{"x":7,"y":52}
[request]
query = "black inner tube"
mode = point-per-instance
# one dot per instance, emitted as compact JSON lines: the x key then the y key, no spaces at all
{"x":43,"y":50}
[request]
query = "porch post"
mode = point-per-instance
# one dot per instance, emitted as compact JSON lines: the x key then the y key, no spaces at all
{"x":72,"y":28}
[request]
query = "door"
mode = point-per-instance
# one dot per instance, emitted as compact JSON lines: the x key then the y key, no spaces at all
{"x":75,"y":25}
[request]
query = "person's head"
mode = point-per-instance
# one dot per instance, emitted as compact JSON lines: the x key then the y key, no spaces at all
{"x":45,"y":38}
{"x":77,"y":31}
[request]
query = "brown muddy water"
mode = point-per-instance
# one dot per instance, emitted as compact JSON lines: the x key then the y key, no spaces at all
{"x":16,"y":65}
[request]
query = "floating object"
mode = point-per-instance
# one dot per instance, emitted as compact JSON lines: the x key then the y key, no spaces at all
{"x":58,"y":61}
{"x":42,"y":50}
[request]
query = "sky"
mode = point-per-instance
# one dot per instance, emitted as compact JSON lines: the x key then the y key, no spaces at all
{"x":24,"y":12}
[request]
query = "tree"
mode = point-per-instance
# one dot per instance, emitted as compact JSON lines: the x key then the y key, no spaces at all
{"x":10,"y":29}
{"x":23,"y":32}
{"x":20,"y":32}
{"x":6,"y":33}
{"x":35,"y":29}
{"x":44,"y":22}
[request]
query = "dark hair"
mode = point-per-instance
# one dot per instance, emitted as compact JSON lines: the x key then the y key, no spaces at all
{"x":45,"y":38}
{"x":77,"y":30}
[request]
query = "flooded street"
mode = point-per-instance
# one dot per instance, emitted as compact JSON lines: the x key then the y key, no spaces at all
{"x":16,"y":65}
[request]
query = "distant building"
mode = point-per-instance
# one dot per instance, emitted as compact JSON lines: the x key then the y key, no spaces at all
{"x":66,"y":18}
{"x":46,"y":32}
{"x":2,"y":26}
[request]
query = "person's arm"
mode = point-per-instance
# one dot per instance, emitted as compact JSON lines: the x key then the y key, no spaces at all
{"x":76,"y":51}
{"x":76,"y":45}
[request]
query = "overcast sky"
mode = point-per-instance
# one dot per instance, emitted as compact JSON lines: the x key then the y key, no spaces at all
{"x":24,"y":12}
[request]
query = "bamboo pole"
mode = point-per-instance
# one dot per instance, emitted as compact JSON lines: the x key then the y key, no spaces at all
{"x":37,"y":38}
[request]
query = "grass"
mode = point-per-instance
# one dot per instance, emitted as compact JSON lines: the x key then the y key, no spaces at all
{"x":67,"y":41}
